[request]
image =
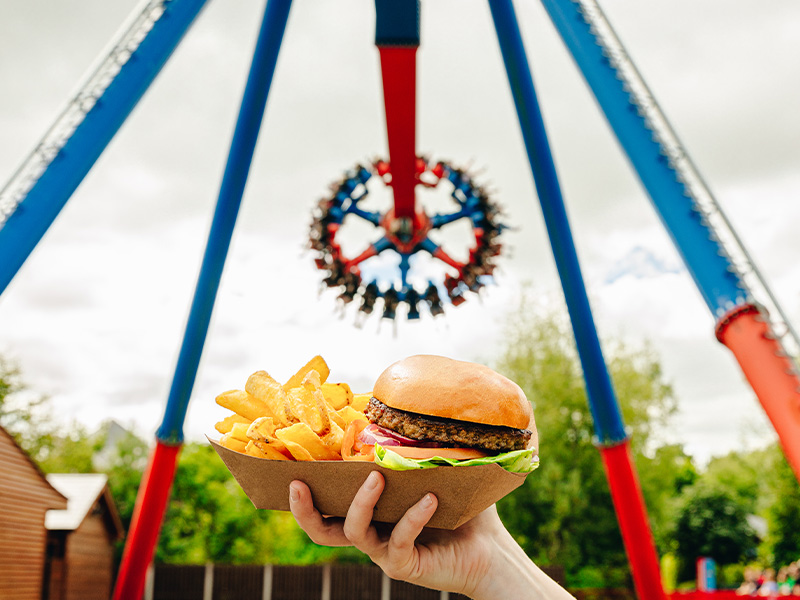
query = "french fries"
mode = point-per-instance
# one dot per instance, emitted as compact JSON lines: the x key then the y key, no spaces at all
{"x":268,"y":391}
{"x":310,"y":408}
{"x":226,"y":424}
{"x":317,"y":364}
{"x":302,"y":419}
{"x":239,"y":432}
{"x":360,"y":401}
{"x":262,"y":429}
{"x":302,"y":435}
{"x":348,"y":414}
{"x":265,"y":451}
{"x":243,"y":404}
{"x":232,"y":443}
{"x":338,"y":395}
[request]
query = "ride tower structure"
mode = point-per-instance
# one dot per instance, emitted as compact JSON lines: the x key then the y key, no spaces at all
{"x":748,"y":318}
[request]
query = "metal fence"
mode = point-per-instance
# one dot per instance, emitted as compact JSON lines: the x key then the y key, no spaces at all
{"x":279,"y":582}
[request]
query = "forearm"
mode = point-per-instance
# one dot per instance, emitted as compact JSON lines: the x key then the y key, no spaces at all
{"x":514,"y":575}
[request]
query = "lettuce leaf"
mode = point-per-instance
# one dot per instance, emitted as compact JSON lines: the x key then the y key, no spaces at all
{"x":518,"y":461}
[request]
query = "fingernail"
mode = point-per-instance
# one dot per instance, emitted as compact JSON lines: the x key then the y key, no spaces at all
{"x":427,"y":501}
{"x":294,"y":495}
{"x":372,"y":480}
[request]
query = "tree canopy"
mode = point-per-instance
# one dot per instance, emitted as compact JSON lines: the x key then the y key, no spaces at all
{"x":712,"y":524}
{"x":563,"y":514}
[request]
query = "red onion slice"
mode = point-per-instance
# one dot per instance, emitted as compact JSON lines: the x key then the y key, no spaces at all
{"x":374,"y":434}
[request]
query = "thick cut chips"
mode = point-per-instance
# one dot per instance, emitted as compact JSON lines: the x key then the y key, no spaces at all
{"x":360,"y":401}
{"x":239,"y":432}
{"x":302,"y":435}
{"x":317,"y":364}
{"x":303,"y":419}
{"x":263,"y":387}
{"x":262,"y":429}
{"x":226,"y":424}
{"x":333,"y":439}
{"x":261,"y":450}
{"x":338,"y":395}
{"x":243,"y":404}
{"x":232,"y":443}
{"x":347,"y":415}
{"x":308,"y":404}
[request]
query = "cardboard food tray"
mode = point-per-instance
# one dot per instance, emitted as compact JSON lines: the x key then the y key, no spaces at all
{"x":463,"y":492}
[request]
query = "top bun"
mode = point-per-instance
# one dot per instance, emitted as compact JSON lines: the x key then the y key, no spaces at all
{"x":442,"y":387}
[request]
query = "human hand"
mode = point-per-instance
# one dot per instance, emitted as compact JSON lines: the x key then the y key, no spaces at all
{"x":479,"y":559}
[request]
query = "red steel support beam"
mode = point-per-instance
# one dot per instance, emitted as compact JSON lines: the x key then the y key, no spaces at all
{"x":151,"y":503}
{"x":399,"y":72}
{"x":769,"y":371}
{"x":626,"y":494}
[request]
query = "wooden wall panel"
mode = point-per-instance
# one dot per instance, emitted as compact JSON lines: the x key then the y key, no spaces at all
{"x":89,"y":561}
{"x":25,"y":496}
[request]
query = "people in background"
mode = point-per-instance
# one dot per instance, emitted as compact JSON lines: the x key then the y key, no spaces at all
{"x":766,"y":583}
{"x":782,"y":581}
{"x":769,"y":587}
{"x":750,"y":585}
{"x":793,"y":578}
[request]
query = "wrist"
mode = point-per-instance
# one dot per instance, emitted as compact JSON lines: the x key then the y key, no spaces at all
{"x":513,"y":574}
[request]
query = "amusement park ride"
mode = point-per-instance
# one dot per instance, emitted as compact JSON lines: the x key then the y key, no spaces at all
{"x":749,"y":320}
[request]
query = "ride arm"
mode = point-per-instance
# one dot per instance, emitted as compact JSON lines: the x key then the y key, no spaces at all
{"x":42,"y":185}
{"x":397,"y":39}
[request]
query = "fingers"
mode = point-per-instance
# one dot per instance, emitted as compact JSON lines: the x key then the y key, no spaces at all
{"x":326,"y":532}
{"x":357,"y":529}
{"x":357,"y":525}
{"x":405,"y":533}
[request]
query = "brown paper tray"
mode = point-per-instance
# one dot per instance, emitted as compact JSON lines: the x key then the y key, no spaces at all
{"x":463,"y":492}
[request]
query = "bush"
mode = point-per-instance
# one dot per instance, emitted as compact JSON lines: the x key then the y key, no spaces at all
{"x":730,"y":576}
{"x":669,"y":572}
{"x":600,"y":577}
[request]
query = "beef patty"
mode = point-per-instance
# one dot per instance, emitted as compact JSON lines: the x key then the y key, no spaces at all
{"x":494,"y":438}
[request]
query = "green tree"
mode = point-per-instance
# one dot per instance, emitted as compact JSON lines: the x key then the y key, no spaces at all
{"x":663,"y":475}
{"x":56,"y":448}
{"x":782,"y":545}
{"x":124,"y":465}
{"x":712,"y":524}
{"x":563,"y":514}
{"x":22,"y":413}
{"x":10,"y":384}
{"x":69,"y":451}
{"x":740,"y":475}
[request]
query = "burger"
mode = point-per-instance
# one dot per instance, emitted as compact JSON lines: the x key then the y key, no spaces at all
{"x":427,"y":410}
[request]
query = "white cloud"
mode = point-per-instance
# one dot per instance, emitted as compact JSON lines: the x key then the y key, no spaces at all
{"x":96,"y":315}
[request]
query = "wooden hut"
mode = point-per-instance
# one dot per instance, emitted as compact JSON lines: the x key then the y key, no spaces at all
{"x":25,"y":498}
{"x":81,"y":539}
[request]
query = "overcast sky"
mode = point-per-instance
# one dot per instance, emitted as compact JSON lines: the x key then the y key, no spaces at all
{"x":96,"y":315}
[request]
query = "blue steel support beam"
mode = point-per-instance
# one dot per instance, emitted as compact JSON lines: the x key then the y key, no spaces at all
{"x":397,"y":22}
{"x":704,"y":257}
{"x":36,"y":212}
{"x":602,"y":400}
{"x":234,"y":179}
